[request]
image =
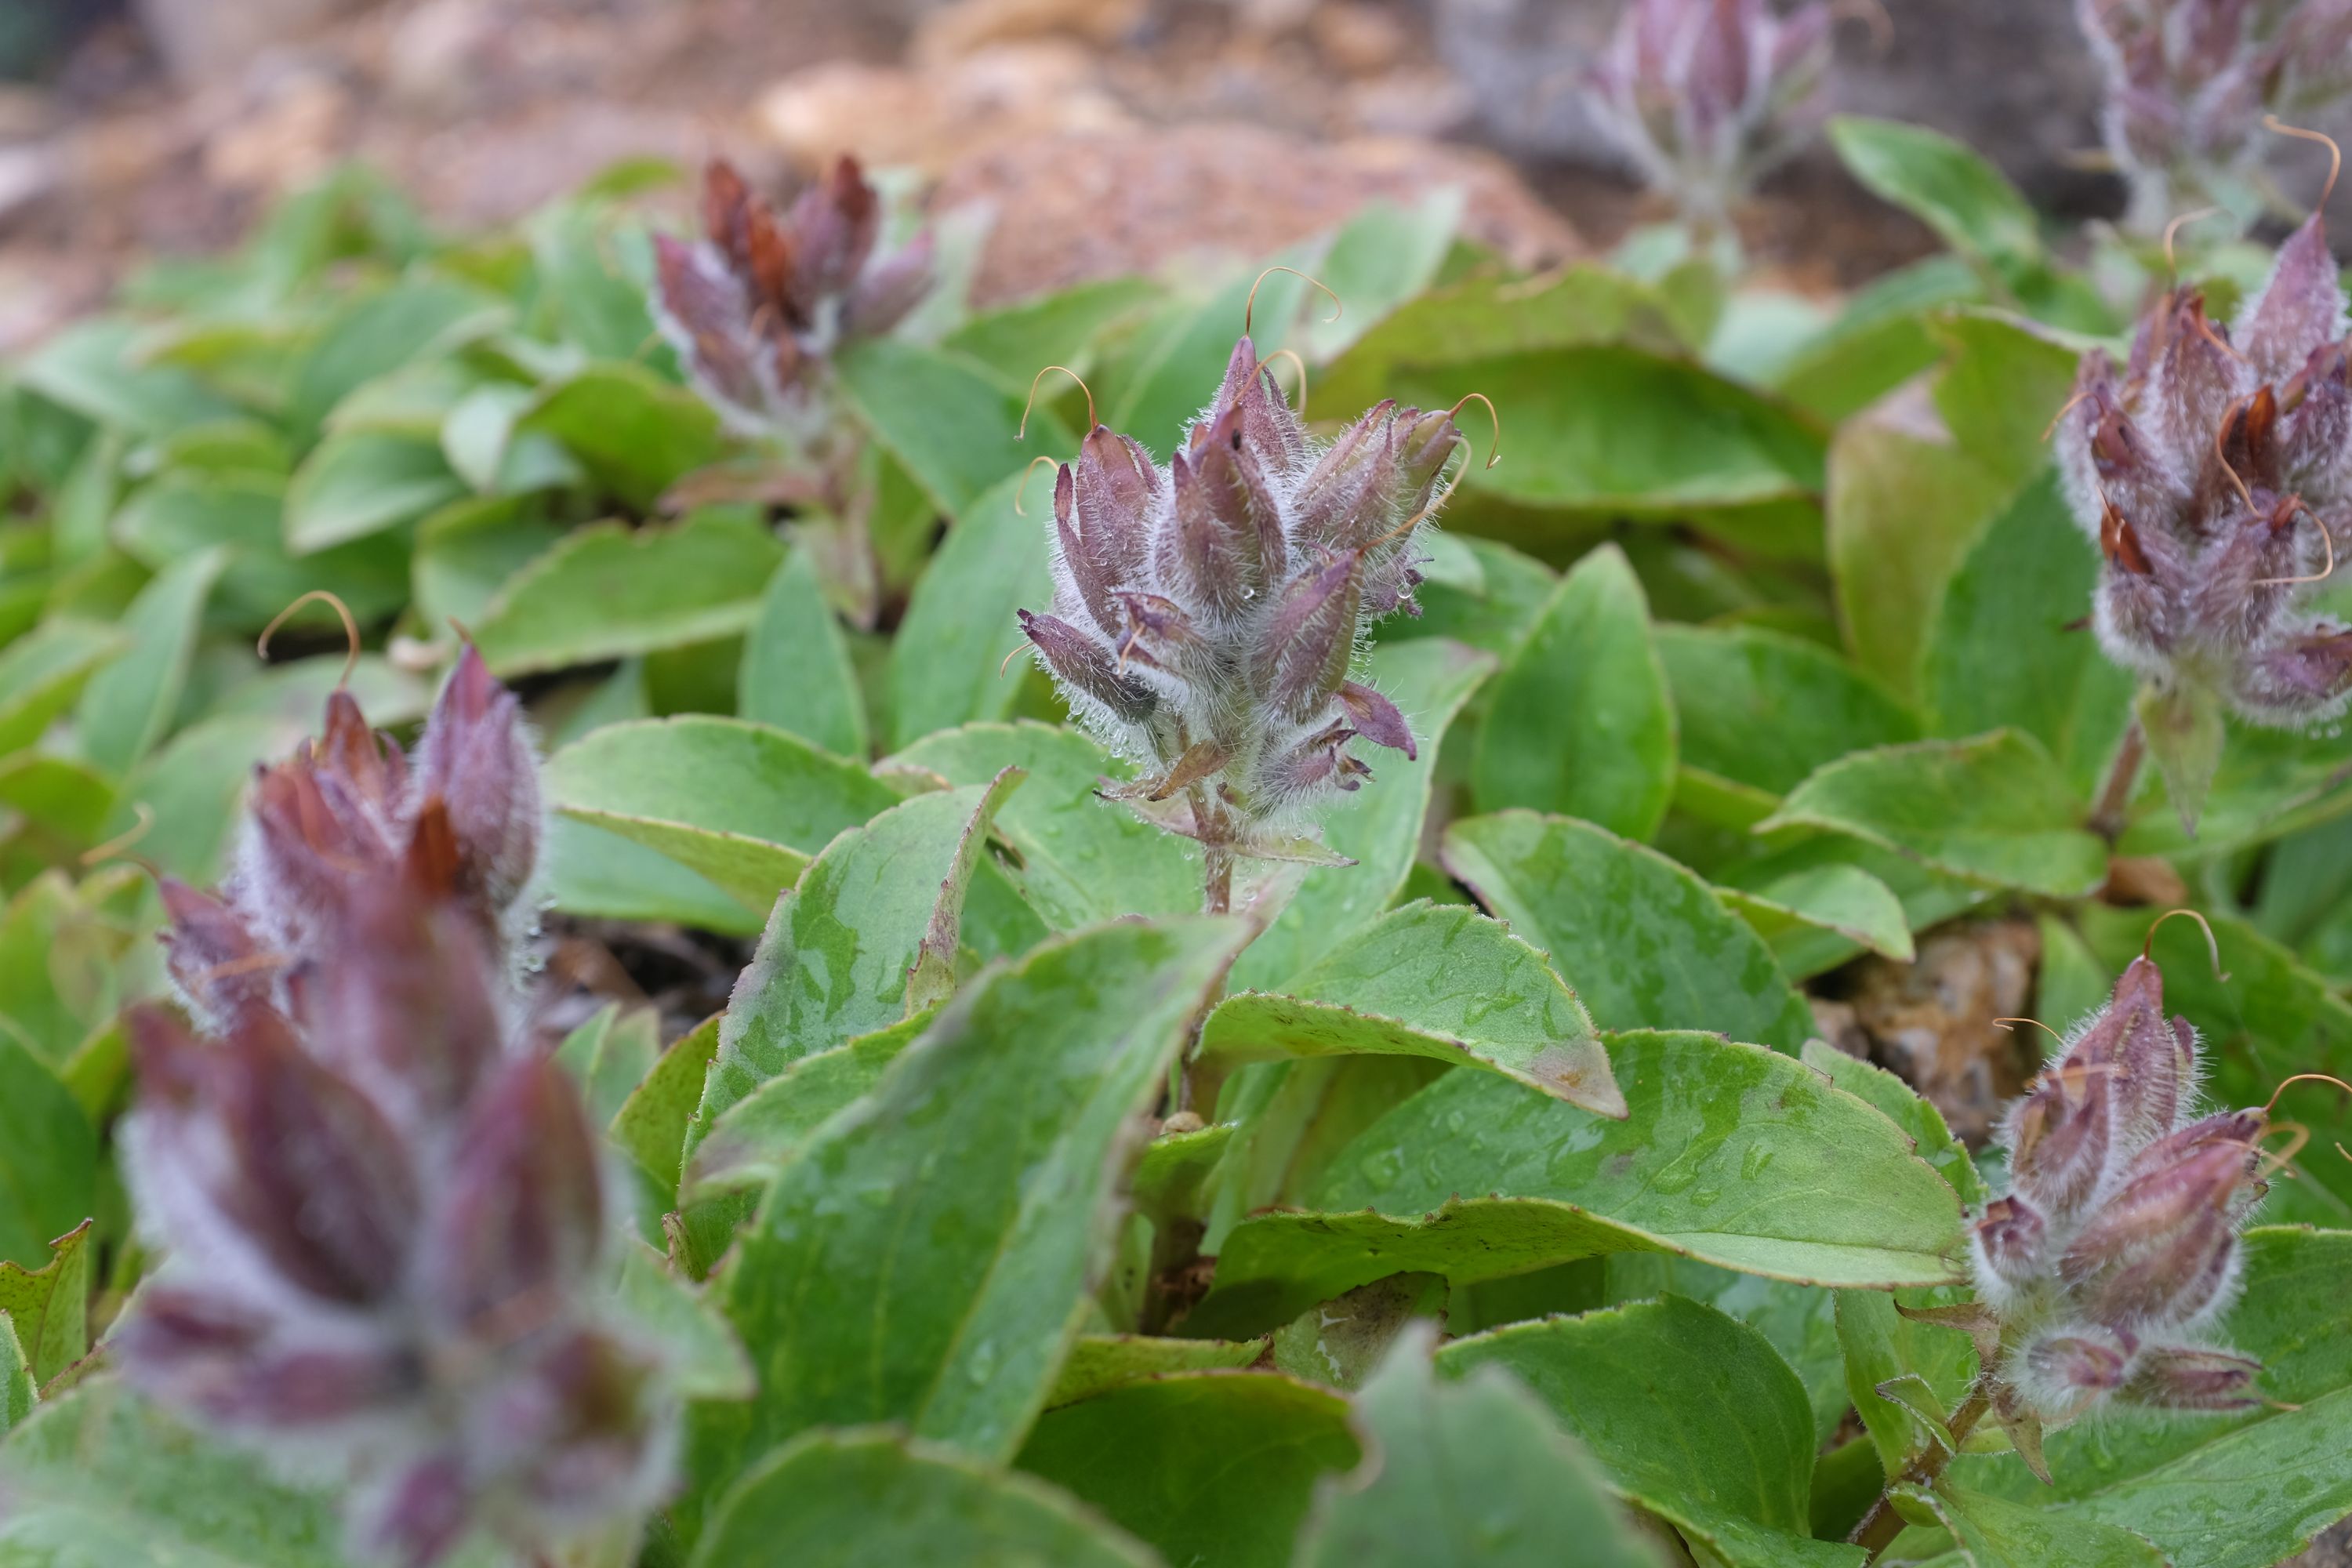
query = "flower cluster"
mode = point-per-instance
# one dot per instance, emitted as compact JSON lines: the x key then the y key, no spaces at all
{"x":758,"y":309}
{"x":1705,"y":95}
{"x":1206,"y":612}
{"x":383,"y":1214}
{"x":2101,"y":1273}
{"x":2215,"y":472}
{"x":2189,"y":81}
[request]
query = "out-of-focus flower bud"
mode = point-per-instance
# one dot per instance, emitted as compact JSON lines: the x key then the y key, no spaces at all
{"x":2189,"y":82}
{"x":2076,"y":1368}
{"x":2008,"y":1241}
{"x":475,"y":758}
{"x":2187,"y":1377}
{"x":759,"y":308}
{"x":1702,"y":95}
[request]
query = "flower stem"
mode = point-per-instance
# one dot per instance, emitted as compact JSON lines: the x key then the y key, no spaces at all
{"x":1882,"y":1524}
{"x":2115,"y":797}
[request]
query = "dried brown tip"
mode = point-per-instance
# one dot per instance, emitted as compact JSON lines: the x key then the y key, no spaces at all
{"x":1292,"y":356}
{"x":1023,"y":433}
{"x":2335,"y":153}
{"x":350,"y":629}
{"x":113,"y":847}
{"x":1017,"y":648}
{"x":1023,"y":487}
{"x":2212,"y":946}
{"x":1250,"y":304}
{"x":2324,"y":573}
{"x":2274,"y":1161}
{"x":1462,"y":443}
{"x":2065,"y":408}
{"x":2037,"y":1023}
{"x":1494,"y":452}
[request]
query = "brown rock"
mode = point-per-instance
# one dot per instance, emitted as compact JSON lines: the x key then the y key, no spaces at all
{"x":1931,"y":1022}
{"x":1103,"y":204}
{"x":930,"y":118}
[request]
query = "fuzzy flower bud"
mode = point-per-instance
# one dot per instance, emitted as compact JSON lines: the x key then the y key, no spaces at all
{"x":1702,"y":95}
{"x":1206,"y":613}
{"x":379,"y":1236}
{"x":460,"y":823}
{"x":382,"y":1215}
{"x":2118,"y":1242}
{"x":757,"y":308}
{"x":2188,"y":81}
{"x":2214,"y":471}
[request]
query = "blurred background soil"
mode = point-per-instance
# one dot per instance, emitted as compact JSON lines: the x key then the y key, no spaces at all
{"x":1115,"y":134}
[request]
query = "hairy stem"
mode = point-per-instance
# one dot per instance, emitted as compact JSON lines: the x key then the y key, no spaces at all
{"x":2115,"y":796}
{"x":1882,"y":1524}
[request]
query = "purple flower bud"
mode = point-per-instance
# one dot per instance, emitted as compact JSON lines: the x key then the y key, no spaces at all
{"x":834,"y":222}
{"x":2160,"y":1253}
{"x":1213,"y":555}
{"x":711,"y":322}
{"x":2300,"y":309}
{"x":1303,"y":652}
{"x":524,"y":1212}
{"x":1086,"y":669}
{"x":1315,"y":763}
{"x":1377,"y":718}
{"x":212,"y":957}
{"x":2077,"y":1367}
{"x":476,"y":758}
{"x":2008,"y":1242}
{"x":423,"y":1514}
{"x":2306,"y":680}
{"x":1270,"y":431}
{"x":1347,"y":490}
{"x":2184,"y":1377}
{"x":2060,"y":1134}
{"x":410,"y":1009}
{"x":251,"y":1142}
{"x":890,"y":289}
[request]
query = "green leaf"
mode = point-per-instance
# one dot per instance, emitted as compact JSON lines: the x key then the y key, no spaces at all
{"x":2003,"y":383}
{"x":1995,"y":809}
{"x":841,"y":951}
{"x":1992,"y":1533}
{"x":946,"y":662}
{"x":2002,"y":650}
{"x":1691,"y":1414}
{"x":94,"y":368}
{"x":48,"y":1159}
{"x":703,"y":1360}
{"x":1612,"y":428}
{"x":1879,"y":340}
{"x":2215,"y":1491}
{"x":609,"y":1056}
{"x":101,"y":1479}
{"x":62,"y":796}
{"x":49,"y":1306}
{"x":982,"y":1189}
{"x":1431,"y":981}
{"x":593,"y":300}
{"x":1488,"y":315}
{"x":796,"y":671}
{"x":18,"y":1394}
{"x":1081,"y":859}
{"x":1904,"y":507}
{"x":1920,"y":1121}
{"x":954,"y":427}
{"x":1379,"y":826}
{"x":1580,"y":722}
{"x":842,"y":1500}
{"x":1817,"y":918}
{"x":1966,"y":201}
{"x":1882,"y":1346}
{"x":608,"y":591}
{"x":195,"y":784}
{"x":1764,"y":708}
{"x":183,"y":512}
{"x":1470,"y":1469}
{"x":43,"y":999}
{"x":1099,"y":1362}
{"x":42,"y":672}
{"x":127,"y":706}
{"x":635,"y":432}
{"x":1016,"y":341}
{"x":1708,"y":1120}
{"x":752,"y":1138}
{"x":416,"y":319}
{"x":1208,"y":1467}
{"x":1383,"y":256}
{"x":2183,"y":726}
{"x":360,"y":482}
{"x":604,"y":874}
{"x":1646,"y":943}
{"x":650,"y":1126}
{"x":1342,"y":1342}
{"x":466,"y":553}
{"x":742,"y":804}
{"x":1800,"y":1320}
